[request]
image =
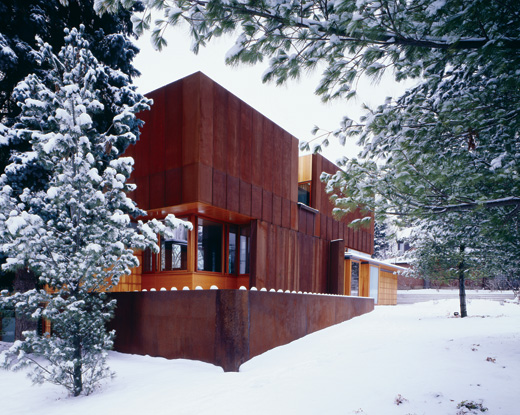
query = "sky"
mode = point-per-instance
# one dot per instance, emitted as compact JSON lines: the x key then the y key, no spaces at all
{"x":293,"y":106}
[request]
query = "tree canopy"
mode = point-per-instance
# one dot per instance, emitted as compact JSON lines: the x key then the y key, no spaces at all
{"x":448,"y":145}
{"x":73,"y":232}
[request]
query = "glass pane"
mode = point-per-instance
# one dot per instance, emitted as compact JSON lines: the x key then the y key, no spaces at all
{"x":304,"y":193}
{"x":232,"y":249}
{"x":244,"y":249}
{"x":209,"y":246}
{"x":174,"y":252}
{"x":374,"y":283}
{"x":354,"y":287}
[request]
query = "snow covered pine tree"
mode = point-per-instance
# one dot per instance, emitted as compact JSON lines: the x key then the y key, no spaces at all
{"x":75,"y":233}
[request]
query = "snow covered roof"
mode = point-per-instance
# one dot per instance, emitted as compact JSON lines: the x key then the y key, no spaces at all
{"x":360,"y":256}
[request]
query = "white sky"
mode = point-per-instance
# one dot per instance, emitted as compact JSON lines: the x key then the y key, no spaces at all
{"x":292,"y":106}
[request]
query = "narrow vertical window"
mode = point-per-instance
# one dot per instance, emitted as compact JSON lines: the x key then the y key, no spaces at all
{"x":245,"y":239}
{"x":354,"y":287}
{"x":209,"y":250}
{"x":233,"y":231}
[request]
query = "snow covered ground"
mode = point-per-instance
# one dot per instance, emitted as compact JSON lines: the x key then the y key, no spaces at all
{"x":418,"y":355}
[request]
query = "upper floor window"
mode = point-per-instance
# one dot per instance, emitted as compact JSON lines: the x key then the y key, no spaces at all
{"x":304,"y":193}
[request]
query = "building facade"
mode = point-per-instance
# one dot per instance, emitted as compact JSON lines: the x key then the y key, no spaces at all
{"x":260,"y":215}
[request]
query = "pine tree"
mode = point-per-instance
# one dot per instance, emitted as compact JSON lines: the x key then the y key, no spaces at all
{"x":21,"y":22}
{"x":75,"y":233}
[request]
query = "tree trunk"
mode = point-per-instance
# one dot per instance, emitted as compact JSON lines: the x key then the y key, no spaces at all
{"x":77,"y":376}
{"x":462,"y":287}
{"x":24,"y":280}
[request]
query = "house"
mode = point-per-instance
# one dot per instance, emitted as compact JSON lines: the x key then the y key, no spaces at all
{"x":261,"y":221}
{"x":260,"y":213}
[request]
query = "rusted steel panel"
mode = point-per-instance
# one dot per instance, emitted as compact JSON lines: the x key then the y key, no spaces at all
{"x":219,"y":188}
{"x":311,"y":217}
{"x":302,"y":221}
{"x":257,"y":149}
{"x":286,"y":213}
{"x":190,"y":183}
{"x":335,"y":229}
{"x":206,"y":121}
{"x":220,"y":148}
{"x":157,"y":140}
{"x":323,"y":226}
{"x":173,"y":187}
{"x":279,"y":258}
{"x":149,"y":323}
{"x":286,"y":165}
{"x":232,"y":329}
{"x":329,"y":228}
{"x":173,"y":125}
{"x":317,"y":225}
{"x":276,"y":319}
{"x":233,"y":195}
{"x":267,"y":206}
{"x":245,"y":198}
{"x":277,"y":210}
{"x":294,"y":216}
{"x":256,"y":202}
{"x":190,"y":120}
{"x":293,"y":183}
{"x":157,"y":190}
{"x":337,"y":266}
{"x":233,"y":128}
{"x":267,"y":155}
{"x":277,"y":160}
{"x":223,"y":327}
{"x":305,"y":265}
{"x":246,"y":124}
{"x":271,"y":256}
{"x":205,"y":183}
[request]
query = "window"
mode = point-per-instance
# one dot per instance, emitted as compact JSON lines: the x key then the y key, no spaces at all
{"x":304,"y":193}
{"x":354,"y":285}
{"x":233,"y":246}
{"x":239,"y":241}
{"x":245,"y":239}
{"x":209,"y":252}
{"x":174,"y":252}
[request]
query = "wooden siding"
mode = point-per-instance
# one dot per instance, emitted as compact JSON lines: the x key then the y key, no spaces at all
{"x":387,"y":288}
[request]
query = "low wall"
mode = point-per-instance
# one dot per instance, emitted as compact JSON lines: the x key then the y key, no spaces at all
{"x":223,"y":327}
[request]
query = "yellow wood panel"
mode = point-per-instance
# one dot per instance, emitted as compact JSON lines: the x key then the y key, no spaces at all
{"x":364,"y":279}
{"x":305,"y":168}
{"x":387,"y":288}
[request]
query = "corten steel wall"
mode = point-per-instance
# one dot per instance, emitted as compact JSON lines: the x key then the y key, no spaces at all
{"x":202,"y":145}
{"x":223,"y":327}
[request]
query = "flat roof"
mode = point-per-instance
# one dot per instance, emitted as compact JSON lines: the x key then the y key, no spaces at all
{"x":365,"y":258}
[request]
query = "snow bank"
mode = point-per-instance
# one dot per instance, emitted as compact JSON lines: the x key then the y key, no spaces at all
{"x":419,"y":352}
